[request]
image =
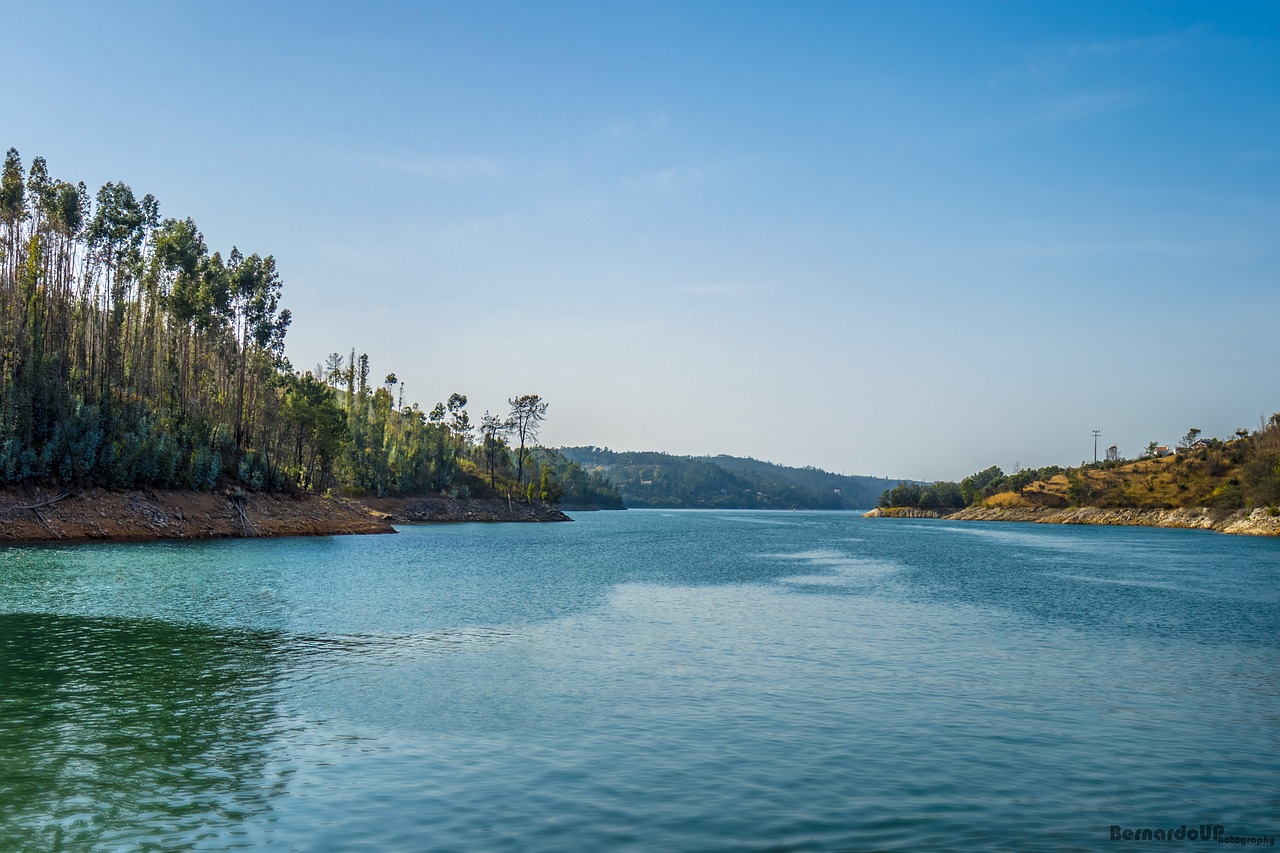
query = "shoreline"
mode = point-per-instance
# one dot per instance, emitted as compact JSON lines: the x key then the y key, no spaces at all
{"x":41,"y":515}
{"x":437,"y":510}
{"x":1241,"y":522}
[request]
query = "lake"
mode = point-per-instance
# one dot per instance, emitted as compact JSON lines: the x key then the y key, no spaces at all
{"x":642,"y":680}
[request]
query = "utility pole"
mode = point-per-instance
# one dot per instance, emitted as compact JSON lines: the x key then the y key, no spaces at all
{"x":1096,"y":433}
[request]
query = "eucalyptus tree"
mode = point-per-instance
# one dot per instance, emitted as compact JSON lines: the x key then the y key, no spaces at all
{"x":115,"y":238}
{"x":117,"y":328}
{"x":258,"y":325}
{"x":40,"y":186}
{"x":40,"y":220}
{"x":13,"y":210}
{"x":131,"y":354}
{"x":183,"y":272}
{"x":66,"y":210}
{"x":13,"y":213}
{"x":60,"y":213}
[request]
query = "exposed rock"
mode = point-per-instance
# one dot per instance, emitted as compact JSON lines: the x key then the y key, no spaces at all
{"x":900,"y":512}
{"x":447,"y":510}
{"x":1247,"y":522}
{"x":1259,"y":522}
{"x":32,"y":514}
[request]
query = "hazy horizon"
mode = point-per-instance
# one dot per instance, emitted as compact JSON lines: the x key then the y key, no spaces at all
{"x":907,"y":241}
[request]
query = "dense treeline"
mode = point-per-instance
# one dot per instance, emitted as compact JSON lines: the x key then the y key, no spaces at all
{"x":947,"y":494}
{"x":131,"y":355}
{"x":850,"y":491}
{"x":1239,"y":473}
{"x":654,"y":479}
{"x":571,"y":484}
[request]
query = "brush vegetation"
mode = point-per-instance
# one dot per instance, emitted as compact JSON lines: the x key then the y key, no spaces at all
{"x":1237,"y":473}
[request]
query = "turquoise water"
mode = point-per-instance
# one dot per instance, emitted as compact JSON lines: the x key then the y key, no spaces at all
{"x":641,"y":681}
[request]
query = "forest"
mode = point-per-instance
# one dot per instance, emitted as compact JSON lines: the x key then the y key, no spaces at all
{"x":654,"y":479}
{"x":134,"y":356}
{"x":851,"y":491}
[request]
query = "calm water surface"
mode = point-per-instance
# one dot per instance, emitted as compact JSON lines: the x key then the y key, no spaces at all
{"x":641,"y":681}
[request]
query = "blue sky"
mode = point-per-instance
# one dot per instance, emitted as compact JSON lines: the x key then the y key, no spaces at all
{"x":903,"y":239}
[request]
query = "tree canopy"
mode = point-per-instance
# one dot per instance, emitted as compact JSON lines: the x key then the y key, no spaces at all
{"x":131,"y":355}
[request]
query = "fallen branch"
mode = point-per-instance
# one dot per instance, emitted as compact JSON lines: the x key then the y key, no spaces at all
{"x":33,"y":507}
{"x":36,"y":512}
{"x":249,"y":528}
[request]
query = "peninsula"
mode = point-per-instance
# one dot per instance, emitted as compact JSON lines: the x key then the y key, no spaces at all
{"x":1230,"y":485}
{"x":145,"y":393}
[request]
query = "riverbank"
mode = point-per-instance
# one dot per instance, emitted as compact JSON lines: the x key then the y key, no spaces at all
{"x":45,"y":514}
{"x":1257,"y":522}
{"x":418,"y":510}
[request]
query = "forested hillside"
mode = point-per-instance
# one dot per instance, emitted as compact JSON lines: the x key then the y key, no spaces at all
{"x":653,"y":479}
{"x":853,"y":491}
{"x":132,"y":355}
{"x":1241,"y":472}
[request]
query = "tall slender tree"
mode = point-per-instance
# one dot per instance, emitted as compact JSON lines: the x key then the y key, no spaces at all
{"x":492,"y":431}
{"x":525,"y":419}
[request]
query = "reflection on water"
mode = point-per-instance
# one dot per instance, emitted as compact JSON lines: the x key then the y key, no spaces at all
{"x":639,"y":681}
{"x":117,"y":732}
{"x":839,"y":568}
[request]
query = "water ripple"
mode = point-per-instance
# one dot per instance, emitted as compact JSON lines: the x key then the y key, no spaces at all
{"x":638,"y":682}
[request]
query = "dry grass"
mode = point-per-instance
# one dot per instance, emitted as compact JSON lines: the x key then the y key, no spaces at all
{"x":1209,"y":477}
{"x":1007,"y":499}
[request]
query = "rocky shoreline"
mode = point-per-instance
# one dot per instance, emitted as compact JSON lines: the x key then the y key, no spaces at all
{"x":453,"y":511}
{"x":46,"y":514}
{"x":1257,"y":522}
{"x":901,"y":512}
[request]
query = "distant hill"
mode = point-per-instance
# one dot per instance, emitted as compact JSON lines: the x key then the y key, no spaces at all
{"x":655,"y":479}
{"x":853,"y":491}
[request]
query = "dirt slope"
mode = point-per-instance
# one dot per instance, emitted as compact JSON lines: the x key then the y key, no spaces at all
{"x":46,"y":514}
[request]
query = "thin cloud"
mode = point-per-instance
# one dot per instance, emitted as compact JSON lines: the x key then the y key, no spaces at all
{"x":718,"y":290}
{"x":621,"y":127}
{"x":1087,"y":105}
{"x":479,"y":233}
{"x":1035,"y":116}
{"x":363,"y":255}
{"x":1142,"y":44}
{"x":1057,"y":57}
{"x":1079,"y":248}
{"x":443,"y":168}
{"x":661,"y":181}
{"x":671,"y":181}
{"x":1261,"y":155}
